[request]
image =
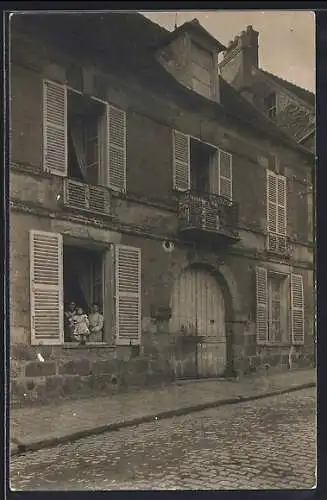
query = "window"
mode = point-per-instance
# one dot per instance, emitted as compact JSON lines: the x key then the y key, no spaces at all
{"x":276,"y":318}
{"x":270,"y":106}
{"x":61,"y":273}
{"x":276,"y":212}
{"x":83,"y":280}
{"x":84,"y":117}
{"x":201,"y":167}
{"x":83,"y":137}
{"x":272,"y":306}
{"x":202,"y":69}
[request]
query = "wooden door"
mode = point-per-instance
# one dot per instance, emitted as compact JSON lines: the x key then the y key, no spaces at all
{"x":198,"y":308}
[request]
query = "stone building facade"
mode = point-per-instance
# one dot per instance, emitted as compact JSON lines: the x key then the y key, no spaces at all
{"x":290,"y":106}
{"x":143,"y":182}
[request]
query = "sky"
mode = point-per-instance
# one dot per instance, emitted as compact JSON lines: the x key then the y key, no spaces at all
{"x":286,"y":38}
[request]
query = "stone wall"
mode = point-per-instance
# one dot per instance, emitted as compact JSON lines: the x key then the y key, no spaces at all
{"x":80,"y":372}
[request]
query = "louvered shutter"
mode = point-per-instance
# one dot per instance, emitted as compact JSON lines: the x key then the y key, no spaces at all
{"x":261,"y":305}
{"x":181,"y":165}
{"x":281,"y":205}
{"x":271,"y":202}
{"x":225,"y":174}
{"x":46,"y":288}
{"x":54,"y":128}
{"x":214,"y":173}
{"x":297,"y":309}
{"x":128,"y":295}
{"x":116,"y":173}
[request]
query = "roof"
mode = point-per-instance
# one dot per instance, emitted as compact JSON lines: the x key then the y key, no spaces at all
{"x":135,"y":53}
{"x":195,"y":27}
{"x":301,"y":93}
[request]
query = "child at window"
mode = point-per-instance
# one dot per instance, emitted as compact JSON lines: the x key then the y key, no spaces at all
{"x":80,"y":326}
{"x":96,"y":324}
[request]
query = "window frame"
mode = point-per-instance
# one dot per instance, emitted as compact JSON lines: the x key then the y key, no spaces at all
{"x":217,"y":152}
{"x":105,"y":172}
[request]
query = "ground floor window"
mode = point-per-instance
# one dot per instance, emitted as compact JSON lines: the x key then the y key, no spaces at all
{"x":279,"y":307}
{"x":83,"y":287}
{"x":276,"y":317}
{"x":101,"y":280}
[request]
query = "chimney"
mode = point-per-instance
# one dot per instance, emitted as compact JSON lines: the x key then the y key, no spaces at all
{"x":241,"y":56}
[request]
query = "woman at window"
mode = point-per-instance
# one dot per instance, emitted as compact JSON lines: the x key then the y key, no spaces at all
{"x":95,"y":324}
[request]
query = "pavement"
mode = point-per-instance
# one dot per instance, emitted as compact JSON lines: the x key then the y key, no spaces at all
{"x":265,"y":444}
{"x":34,"y":428}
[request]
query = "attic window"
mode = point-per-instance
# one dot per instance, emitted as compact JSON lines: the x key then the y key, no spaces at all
{"x":270,"y":105}
{"x":202,"y":71}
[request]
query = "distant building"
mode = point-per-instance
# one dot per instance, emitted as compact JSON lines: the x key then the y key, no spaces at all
{"x":142,"y":181}
{"x":290,"y":106}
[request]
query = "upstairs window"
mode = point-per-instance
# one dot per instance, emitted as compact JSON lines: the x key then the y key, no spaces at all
{"x":83,"y":137}
{"x":201,"y":167}
{"x":270,"y":106}
{"x":276,"y":212}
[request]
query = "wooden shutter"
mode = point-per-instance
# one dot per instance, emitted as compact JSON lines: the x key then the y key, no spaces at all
{"x":225,"y":174}
{"x":46,"y":288}
{"x":214,"y":173}
{"x":181,"y":165}
{"x":54,"y":128}
{"x":262,"y":305}
{"x":271,"y":202}
{"x":282,"y":205}
{"x":116,"y":174}
{"x":128,"y":295}
{"x":297,"y":309}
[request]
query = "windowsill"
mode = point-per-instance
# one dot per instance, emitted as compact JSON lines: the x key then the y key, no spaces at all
{"x":76,"y":345}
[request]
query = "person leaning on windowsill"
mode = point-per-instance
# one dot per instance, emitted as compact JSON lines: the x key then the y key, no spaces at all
{"x":95,"y":324}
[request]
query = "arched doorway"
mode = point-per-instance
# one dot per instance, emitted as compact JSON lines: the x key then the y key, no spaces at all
{"x":198,"y":308}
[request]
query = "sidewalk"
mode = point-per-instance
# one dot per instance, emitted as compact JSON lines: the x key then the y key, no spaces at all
{"x":40,"y":427}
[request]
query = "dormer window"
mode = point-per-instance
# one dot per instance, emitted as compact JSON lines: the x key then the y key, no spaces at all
{"x":202,"y":68}
{"x":270,"y":105}
{"x":190,"y":54}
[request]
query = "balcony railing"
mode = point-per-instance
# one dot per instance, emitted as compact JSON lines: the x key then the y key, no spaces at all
{"x":208,"y":213}
{"x":279,"y":244}
{"x":87,"y":197}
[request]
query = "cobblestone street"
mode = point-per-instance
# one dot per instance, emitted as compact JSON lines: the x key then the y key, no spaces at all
{"x":264,"y":444}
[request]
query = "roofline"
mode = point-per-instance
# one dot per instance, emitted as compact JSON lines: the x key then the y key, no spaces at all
{"x":269,"y":77}
{"x":309,"y":134}
{"x":276,"y":133}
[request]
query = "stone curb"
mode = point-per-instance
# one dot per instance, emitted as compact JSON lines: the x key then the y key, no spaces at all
{"x":18,"y":447}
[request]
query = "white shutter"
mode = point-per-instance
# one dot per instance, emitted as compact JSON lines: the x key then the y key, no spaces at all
{"x":181,"y":165}
{"x":271,"y":202}
{"x":46,"y":288}
{"x":128,"y":295}
{"x":55,"y":128}
{"x":261,"y":305}
{"x":282,"y":205}
{"x":225,"y":174}
{"x":214,"y":173}
{"x":297,"y":309}
{"x":116,"y":174}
